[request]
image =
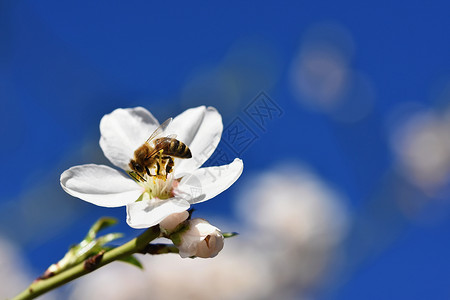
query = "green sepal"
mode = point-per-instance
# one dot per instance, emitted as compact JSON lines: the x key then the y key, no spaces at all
{"x":132,"y":260}
{"x":141,"y":197}
{"x":229,"y":234}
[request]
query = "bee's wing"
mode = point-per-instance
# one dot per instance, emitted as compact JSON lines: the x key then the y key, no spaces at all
{"x":156,"y":147}
{"x":158,"y":131}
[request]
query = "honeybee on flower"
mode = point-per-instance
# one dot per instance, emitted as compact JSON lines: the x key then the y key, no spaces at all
{"x":152,"y":195}
{"x":158,"y":156}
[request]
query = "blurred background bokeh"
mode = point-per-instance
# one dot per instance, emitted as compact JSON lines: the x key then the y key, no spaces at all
{"x":343,"y":111}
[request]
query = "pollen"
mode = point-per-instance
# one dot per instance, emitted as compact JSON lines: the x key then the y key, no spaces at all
{"x":160,"y":187}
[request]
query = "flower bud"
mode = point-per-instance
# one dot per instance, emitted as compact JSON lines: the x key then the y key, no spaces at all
{"x":199,"y":239}
{"x":171,"y":222}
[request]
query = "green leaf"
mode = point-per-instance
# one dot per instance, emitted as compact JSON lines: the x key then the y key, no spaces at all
{"x":132,"y":261}
{"x":88,"y":247}
{"x":108,"y":238}
{"x":229,"y":234}
{"x":101,"y":224}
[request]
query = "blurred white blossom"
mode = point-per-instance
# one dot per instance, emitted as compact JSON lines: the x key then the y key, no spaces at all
{"x":13,"y":274}
{"x":301,"y":221}
{"x":422,"y":145}
{"x":237,"y":273}
{"x":323,"y":79}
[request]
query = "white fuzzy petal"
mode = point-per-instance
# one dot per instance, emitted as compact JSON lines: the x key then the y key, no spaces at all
{"x":200,"y":128}
{"x":100,"y":185}
{"x":149,"y":212}
{"x":123,"y":131}
{"x":206,"y":183}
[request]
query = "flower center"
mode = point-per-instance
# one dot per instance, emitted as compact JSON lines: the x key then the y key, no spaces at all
{"x":158,"y":186}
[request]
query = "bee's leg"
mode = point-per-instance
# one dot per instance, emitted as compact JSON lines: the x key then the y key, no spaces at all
{"x":136,"y":176}
{"x":164,"y":163}
{"x":160,"y":156}
{"x":148,"y":171}
{"x":169,"y":165}
{"x":142,"y":178}
{"x":132,"y":175}
{"x":158,"y":168}
{"x":151,"y":167}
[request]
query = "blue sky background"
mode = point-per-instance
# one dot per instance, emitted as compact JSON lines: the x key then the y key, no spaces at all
{"x":64,"y":65}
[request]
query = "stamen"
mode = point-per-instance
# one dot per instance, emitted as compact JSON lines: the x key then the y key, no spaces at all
{"x":158,"y":186}
{"x":157,"y":182}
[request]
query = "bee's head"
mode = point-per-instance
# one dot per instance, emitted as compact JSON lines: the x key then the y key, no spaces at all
{"x":135,"y":166}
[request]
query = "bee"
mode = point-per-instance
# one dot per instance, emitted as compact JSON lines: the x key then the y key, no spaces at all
{"x":157,"y":153}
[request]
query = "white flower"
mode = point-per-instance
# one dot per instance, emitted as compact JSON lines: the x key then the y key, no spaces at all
{"x":200,"y":239}
{"x":151,"y":201}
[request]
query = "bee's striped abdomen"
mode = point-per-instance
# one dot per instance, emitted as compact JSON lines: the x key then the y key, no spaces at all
{"x":175,"y":148}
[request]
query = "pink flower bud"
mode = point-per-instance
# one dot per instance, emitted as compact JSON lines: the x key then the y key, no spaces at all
{"x":170,"y":223}
{"x":200,"y":239}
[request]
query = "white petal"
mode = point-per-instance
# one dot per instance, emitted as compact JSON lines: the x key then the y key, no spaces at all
{"x":200,"y":128}
{"x":149,"y":212}
{"x":123,"y":131}
{"x":206,"y":183}
{"x":100,"y":185}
